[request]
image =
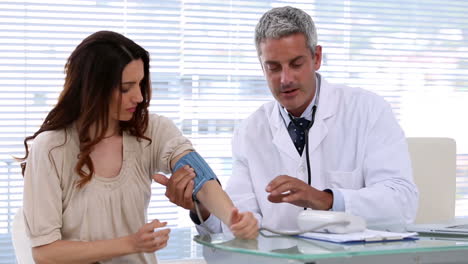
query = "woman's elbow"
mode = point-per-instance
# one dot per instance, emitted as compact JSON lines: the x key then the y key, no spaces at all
{"x":40,"y":256}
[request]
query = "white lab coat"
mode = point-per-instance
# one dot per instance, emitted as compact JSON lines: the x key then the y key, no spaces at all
{"x":356,"y":146}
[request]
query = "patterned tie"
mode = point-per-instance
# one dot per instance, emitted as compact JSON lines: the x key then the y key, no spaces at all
{"x":297,"y":132}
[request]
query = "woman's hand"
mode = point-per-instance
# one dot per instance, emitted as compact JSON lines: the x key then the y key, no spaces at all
{"x":243,"y":225}
{"x":147,"y":240}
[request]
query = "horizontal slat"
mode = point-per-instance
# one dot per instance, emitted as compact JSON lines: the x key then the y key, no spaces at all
{"x":206,"y":76}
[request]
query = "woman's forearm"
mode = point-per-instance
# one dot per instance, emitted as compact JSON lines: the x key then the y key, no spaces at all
{"x":70,"y":252}
{"x":216,"y":200}
{"x":212,"y":197}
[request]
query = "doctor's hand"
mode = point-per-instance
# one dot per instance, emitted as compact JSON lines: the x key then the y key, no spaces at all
{"x":287,"y":189}
{"x":243,"y":225}
{"x":179,"y":187}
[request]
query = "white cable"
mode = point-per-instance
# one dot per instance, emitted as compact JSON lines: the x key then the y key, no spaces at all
{"x":197,"y":210}
{"x":202,"y":222}
{"x":299,"y":232}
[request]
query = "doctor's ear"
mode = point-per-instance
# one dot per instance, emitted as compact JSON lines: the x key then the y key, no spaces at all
{"x":317,"y":57}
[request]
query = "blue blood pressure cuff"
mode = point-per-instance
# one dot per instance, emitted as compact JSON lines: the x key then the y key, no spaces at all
{"x":203,"y":172}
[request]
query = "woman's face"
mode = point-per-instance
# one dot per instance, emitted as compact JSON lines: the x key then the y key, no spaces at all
{"x":130,"y":91}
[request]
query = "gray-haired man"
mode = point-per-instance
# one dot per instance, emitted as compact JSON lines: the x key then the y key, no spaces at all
{"x":318,"y":145}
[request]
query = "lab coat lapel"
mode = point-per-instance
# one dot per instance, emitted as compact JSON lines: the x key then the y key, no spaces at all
{"x":316,"y":135}
{"x":327,"y":105}
{"x":281,"y":138}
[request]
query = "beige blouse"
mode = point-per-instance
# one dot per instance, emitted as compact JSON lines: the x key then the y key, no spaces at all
{"x":104,"y":208}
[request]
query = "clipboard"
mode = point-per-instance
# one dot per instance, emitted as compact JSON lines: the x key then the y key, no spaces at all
{"x":366,"y":236}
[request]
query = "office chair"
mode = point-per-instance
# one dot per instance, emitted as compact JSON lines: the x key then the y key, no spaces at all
{"x":434,"y":171}
{"x":20,"y":240}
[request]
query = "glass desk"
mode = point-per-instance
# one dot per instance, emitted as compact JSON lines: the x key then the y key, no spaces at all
{"x":224,"y":248}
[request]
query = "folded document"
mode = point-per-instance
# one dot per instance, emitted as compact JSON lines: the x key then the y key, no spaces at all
{"x":367,"y":235}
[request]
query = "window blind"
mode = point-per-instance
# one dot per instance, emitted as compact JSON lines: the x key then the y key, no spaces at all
{"x":206,"y":76}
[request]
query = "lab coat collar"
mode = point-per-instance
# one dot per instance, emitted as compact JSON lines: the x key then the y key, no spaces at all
{"x":327,"y":106}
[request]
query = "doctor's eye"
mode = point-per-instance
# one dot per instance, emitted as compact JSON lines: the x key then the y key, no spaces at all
{"x":296,"y":65}
{"x":297,"y":62}
{"x":273,"y":67}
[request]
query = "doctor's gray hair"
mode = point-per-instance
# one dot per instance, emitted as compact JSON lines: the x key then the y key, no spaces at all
{"x":284,"y":21}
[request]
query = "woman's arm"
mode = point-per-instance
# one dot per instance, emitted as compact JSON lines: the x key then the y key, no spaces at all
{"x":70,"y":252}
{"x":213,"y":199}
{"x":212,"y":196}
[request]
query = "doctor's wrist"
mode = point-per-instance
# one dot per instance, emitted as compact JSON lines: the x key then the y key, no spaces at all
{"x":328,"y":199}
{"x":194,"y":217}
{"x":205,"y":214}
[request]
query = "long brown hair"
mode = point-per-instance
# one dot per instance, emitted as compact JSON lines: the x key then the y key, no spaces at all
{"x":93,"y":71}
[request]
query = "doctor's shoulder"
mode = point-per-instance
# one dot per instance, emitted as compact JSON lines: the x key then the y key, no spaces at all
{"x":262,"y":115}
{"x":256,"y":121}
{"x":360,"y":98}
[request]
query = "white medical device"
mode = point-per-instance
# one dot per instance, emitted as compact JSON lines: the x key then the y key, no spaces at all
{"x":324,"y":222}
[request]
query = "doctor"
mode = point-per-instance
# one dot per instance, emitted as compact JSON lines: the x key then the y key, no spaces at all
{"x":319,"y":145}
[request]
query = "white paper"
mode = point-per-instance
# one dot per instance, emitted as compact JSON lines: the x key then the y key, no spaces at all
{"x":367,"y":235}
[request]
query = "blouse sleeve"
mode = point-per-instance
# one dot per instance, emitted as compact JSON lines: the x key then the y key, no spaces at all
{"x":42,"y":196}
{"x":167,"y":143}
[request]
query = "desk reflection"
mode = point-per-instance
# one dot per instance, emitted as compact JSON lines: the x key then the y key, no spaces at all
{"x":270,"y":248}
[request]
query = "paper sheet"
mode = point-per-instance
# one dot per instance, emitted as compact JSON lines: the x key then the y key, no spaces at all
{"x":367,"y":235}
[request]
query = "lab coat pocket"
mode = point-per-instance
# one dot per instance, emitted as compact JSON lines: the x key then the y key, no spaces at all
{"x":345,"y":180}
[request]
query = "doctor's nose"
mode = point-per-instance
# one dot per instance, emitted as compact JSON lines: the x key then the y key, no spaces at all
{"x":286,"y":77}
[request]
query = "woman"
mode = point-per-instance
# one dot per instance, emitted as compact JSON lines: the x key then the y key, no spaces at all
{"x":88,"y":174}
